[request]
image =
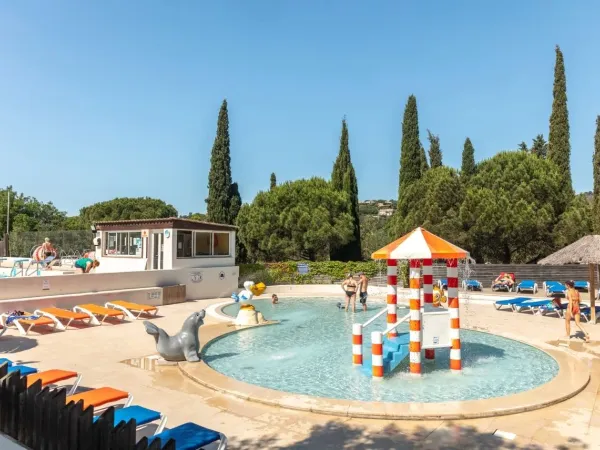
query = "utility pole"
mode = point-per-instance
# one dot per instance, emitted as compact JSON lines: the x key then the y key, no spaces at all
{"x":7,"y":210}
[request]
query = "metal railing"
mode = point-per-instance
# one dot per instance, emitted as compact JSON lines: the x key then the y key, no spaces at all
{"x":394,"y":325}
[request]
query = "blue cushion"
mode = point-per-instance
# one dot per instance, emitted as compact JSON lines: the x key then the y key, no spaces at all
{"x":513,"y":301}
{"x":188,"y":436}
{"x":4,"y":360}
{"x":141,"y":415}
{"x":528,"y":283}
{"x":24,"y":370}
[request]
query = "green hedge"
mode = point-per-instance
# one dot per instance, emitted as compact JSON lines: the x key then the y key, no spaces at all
{"x":319,"y":272}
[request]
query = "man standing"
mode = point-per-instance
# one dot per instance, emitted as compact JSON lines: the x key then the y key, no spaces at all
{"x":363,"y":283}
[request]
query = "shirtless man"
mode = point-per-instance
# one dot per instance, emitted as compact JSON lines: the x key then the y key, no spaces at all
{"x":363,"y":284}
{"x":349,"y":286}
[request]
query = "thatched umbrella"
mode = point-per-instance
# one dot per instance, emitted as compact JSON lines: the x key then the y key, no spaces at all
{"x":584,"y":251}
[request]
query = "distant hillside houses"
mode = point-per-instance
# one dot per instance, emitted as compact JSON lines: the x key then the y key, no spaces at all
{"x":381,"y":208}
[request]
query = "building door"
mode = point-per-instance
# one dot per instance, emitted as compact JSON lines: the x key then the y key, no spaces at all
{"x":158,"y":242}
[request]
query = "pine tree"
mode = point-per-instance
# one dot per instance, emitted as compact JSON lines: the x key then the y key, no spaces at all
{"x":273,"y":181}
{"x":224,"y":201}
{"x":559,"y":147}
{"x":596,"y":163}
{"x":424,"y":163}
{"x":410,"y":152}
{"x":523,"y":147}
{"x":540,"y":146}
{"x":468,"y":167}
{"x":343,"y":178}
{"x":435,"y":151}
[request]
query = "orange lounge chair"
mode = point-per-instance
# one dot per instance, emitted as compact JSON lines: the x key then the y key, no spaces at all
{"x":101,"y":396}
{"x":65,"y":314}
{"x":51,"y":377}
{"x":25,"y":325}
{"x":101,"y":311}
{"x":130,"y":308}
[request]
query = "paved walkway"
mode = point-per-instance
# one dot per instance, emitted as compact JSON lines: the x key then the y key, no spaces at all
{"x":98,"y":354}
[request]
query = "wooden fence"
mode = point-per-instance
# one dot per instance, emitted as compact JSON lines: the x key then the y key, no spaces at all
{"x":40,"y":419}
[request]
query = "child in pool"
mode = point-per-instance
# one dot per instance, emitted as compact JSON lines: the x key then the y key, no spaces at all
{"x":274,"y":299}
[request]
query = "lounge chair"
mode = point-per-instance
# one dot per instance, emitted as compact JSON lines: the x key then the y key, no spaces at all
{"x":586,"y":313}
{"x":23,"y":370}
{"x":527,"y":285}
{"x":552,"y":308}
{"x":66,"y":315}
{"x":99,"y":311}
{"x":130,"y":308}
{"x":143,"y":416}
{"x":510,"y":302}
{"x":101,"y":396}
{"x":554,"y":287}
{"x":472,"y":285}
{"x":502,"y":283}
{"x":191,"y":436}
{"x":28,"y":320}
{"x":532,"y":304}
{"x":53,"y":376}
{"x":582,"y":285}
{"x":4,"y":360}
{"x":443,"y":283}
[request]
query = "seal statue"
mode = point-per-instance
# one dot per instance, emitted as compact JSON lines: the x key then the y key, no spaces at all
{"x":185,"y":345}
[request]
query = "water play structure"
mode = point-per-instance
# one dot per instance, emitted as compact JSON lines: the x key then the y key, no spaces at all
{"x":430,"y":325}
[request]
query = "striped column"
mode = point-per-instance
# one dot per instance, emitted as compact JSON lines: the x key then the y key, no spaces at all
{"x":455,"y":359}
{"x":392,"y":298}
{"x":414,"y":345}
{"x":357,"y":342}
{"x":377,"y":354}
{"x":428,"y":295}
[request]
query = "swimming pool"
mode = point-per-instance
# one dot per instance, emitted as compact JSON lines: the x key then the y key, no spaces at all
{"x":309,"y":353}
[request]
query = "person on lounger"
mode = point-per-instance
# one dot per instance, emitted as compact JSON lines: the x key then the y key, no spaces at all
{"x":86,"y":264}
{"x":573,"y":310}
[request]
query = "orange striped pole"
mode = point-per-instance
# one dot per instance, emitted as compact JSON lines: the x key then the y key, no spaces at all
{"x":455,"y":358}
{"x":377,"y":354}
{"x":357,"y":341}
{"x":414,"y":345}
{"x":392,"y":297}
{"x":428,"y":295}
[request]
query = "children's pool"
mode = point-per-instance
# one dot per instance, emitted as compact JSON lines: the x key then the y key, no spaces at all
{"x":310,"y":353}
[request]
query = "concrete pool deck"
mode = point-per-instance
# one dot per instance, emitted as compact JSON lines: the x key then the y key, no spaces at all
{"x":97,"y":353}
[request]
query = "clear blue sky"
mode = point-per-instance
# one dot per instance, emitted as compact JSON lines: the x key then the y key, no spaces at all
{"x":126,"y":93}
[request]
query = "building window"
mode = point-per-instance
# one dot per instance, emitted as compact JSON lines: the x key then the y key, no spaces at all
{"x":123,"y":243}
{"x":221,"y":244}
{"x":203,"y":243}
{"x":184,"y":244}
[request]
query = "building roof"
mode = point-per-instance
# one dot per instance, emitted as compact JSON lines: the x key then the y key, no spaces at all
{"x":584,"y":251}
{"x":166,"y":222}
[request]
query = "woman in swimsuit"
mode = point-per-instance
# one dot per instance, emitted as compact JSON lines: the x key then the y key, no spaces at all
{"x":349,"y":286}
{"x":573,"y":310}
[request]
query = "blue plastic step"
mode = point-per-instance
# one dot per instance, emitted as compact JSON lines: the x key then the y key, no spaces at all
{"x":394,"y":352}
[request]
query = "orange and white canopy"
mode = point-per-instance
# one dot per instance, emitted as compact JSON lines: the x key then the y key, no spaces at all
{"x":420,"y":244}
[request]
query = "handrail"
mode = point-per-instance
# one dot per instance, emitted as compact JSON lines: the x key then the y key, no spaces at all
{"x":394,"y":325}
{"x":368,"y":322}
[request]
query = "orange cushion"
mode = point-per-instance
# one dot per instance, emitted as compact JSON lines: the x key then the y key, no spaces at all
{"x":95,"y":309}
{"x":50,"y":376}
{"x":134,"y":306}
{"x":65,"y":314}
{"x":40,"y":321}
{"x":98,"y":397}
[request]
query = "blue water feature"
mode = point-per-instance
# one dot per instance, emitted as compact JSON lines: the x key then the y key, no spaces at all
{"x":310,"y":352}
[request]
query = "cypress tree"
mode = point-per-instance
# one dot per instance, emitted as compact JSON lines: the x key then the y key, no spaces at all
{"x":540,"y":146}
{"x":467,"y":168}
{"x":343,"y":178}
{"x":559,"y":147}
{"x":410,"y":152}
{"x":435,"y":151}
{"x":523,"y":147}
{"x":224,"y":201}
{"x":596,"y":163}
{"x":273,"y":181}
{"x":424,"y":163}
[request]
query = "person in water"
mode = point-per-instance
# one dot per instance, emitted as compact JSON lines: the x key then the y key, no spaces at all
{"x":349,"y":286}
{"x":274,"y":299}
{"x":573,"y":310}
{"x":86,"y":264}
{"x":363,"y":283}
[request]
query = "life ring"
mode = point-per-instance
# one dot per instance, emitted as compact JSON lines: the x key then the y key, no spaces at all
{"x":39,"y":255}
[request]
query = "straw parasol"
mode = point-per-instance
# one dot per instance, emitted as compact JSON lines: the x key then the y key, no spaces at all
{"x":584,"y":251}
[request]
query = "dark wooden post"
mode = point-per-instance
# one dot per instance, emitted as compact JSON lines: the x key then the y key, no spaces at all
{"x":592,"y":268}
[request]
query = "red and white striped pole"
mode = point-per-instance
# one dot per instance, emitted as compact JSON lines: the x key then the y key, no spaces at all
{"x":428,"y":295}
{"x":414,"y":345}
{"x":392,"y":297}
{"x":453,"y":309}
{"x":377,"y":354}
{"x":357,"y":341}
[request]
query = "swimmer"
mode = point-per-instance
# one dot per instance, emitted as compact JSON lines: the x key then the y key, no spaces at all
{"x":274,"y":299}
{"x":349,"y":286}
{"x":363,"y":283}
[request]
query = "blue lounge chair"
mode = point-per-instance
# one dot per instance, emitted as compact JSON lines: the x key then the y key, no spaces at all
{"x":24,"y":370}
{"x":582,"y":286}
{"x":552,"y":308}
{"x":527,"y":285}
{"x":190,"y":436}
{"x":533,"y":305}
{"x":510,"y":302}
{"x":586,"y":313}
{"x":443,"y":283}
{"x":143,"y":416}
{"x":472,"y":285}
{"x":554,"y":287}
{"x":4,"y":360}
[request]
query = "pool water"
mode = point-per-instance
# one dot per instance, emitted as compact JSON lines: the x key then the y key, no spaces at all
{"x":310,"y":352}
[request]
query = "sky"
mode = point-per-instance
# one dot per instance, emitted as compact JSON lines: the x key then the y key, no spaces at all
{"x":105,"y":99}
